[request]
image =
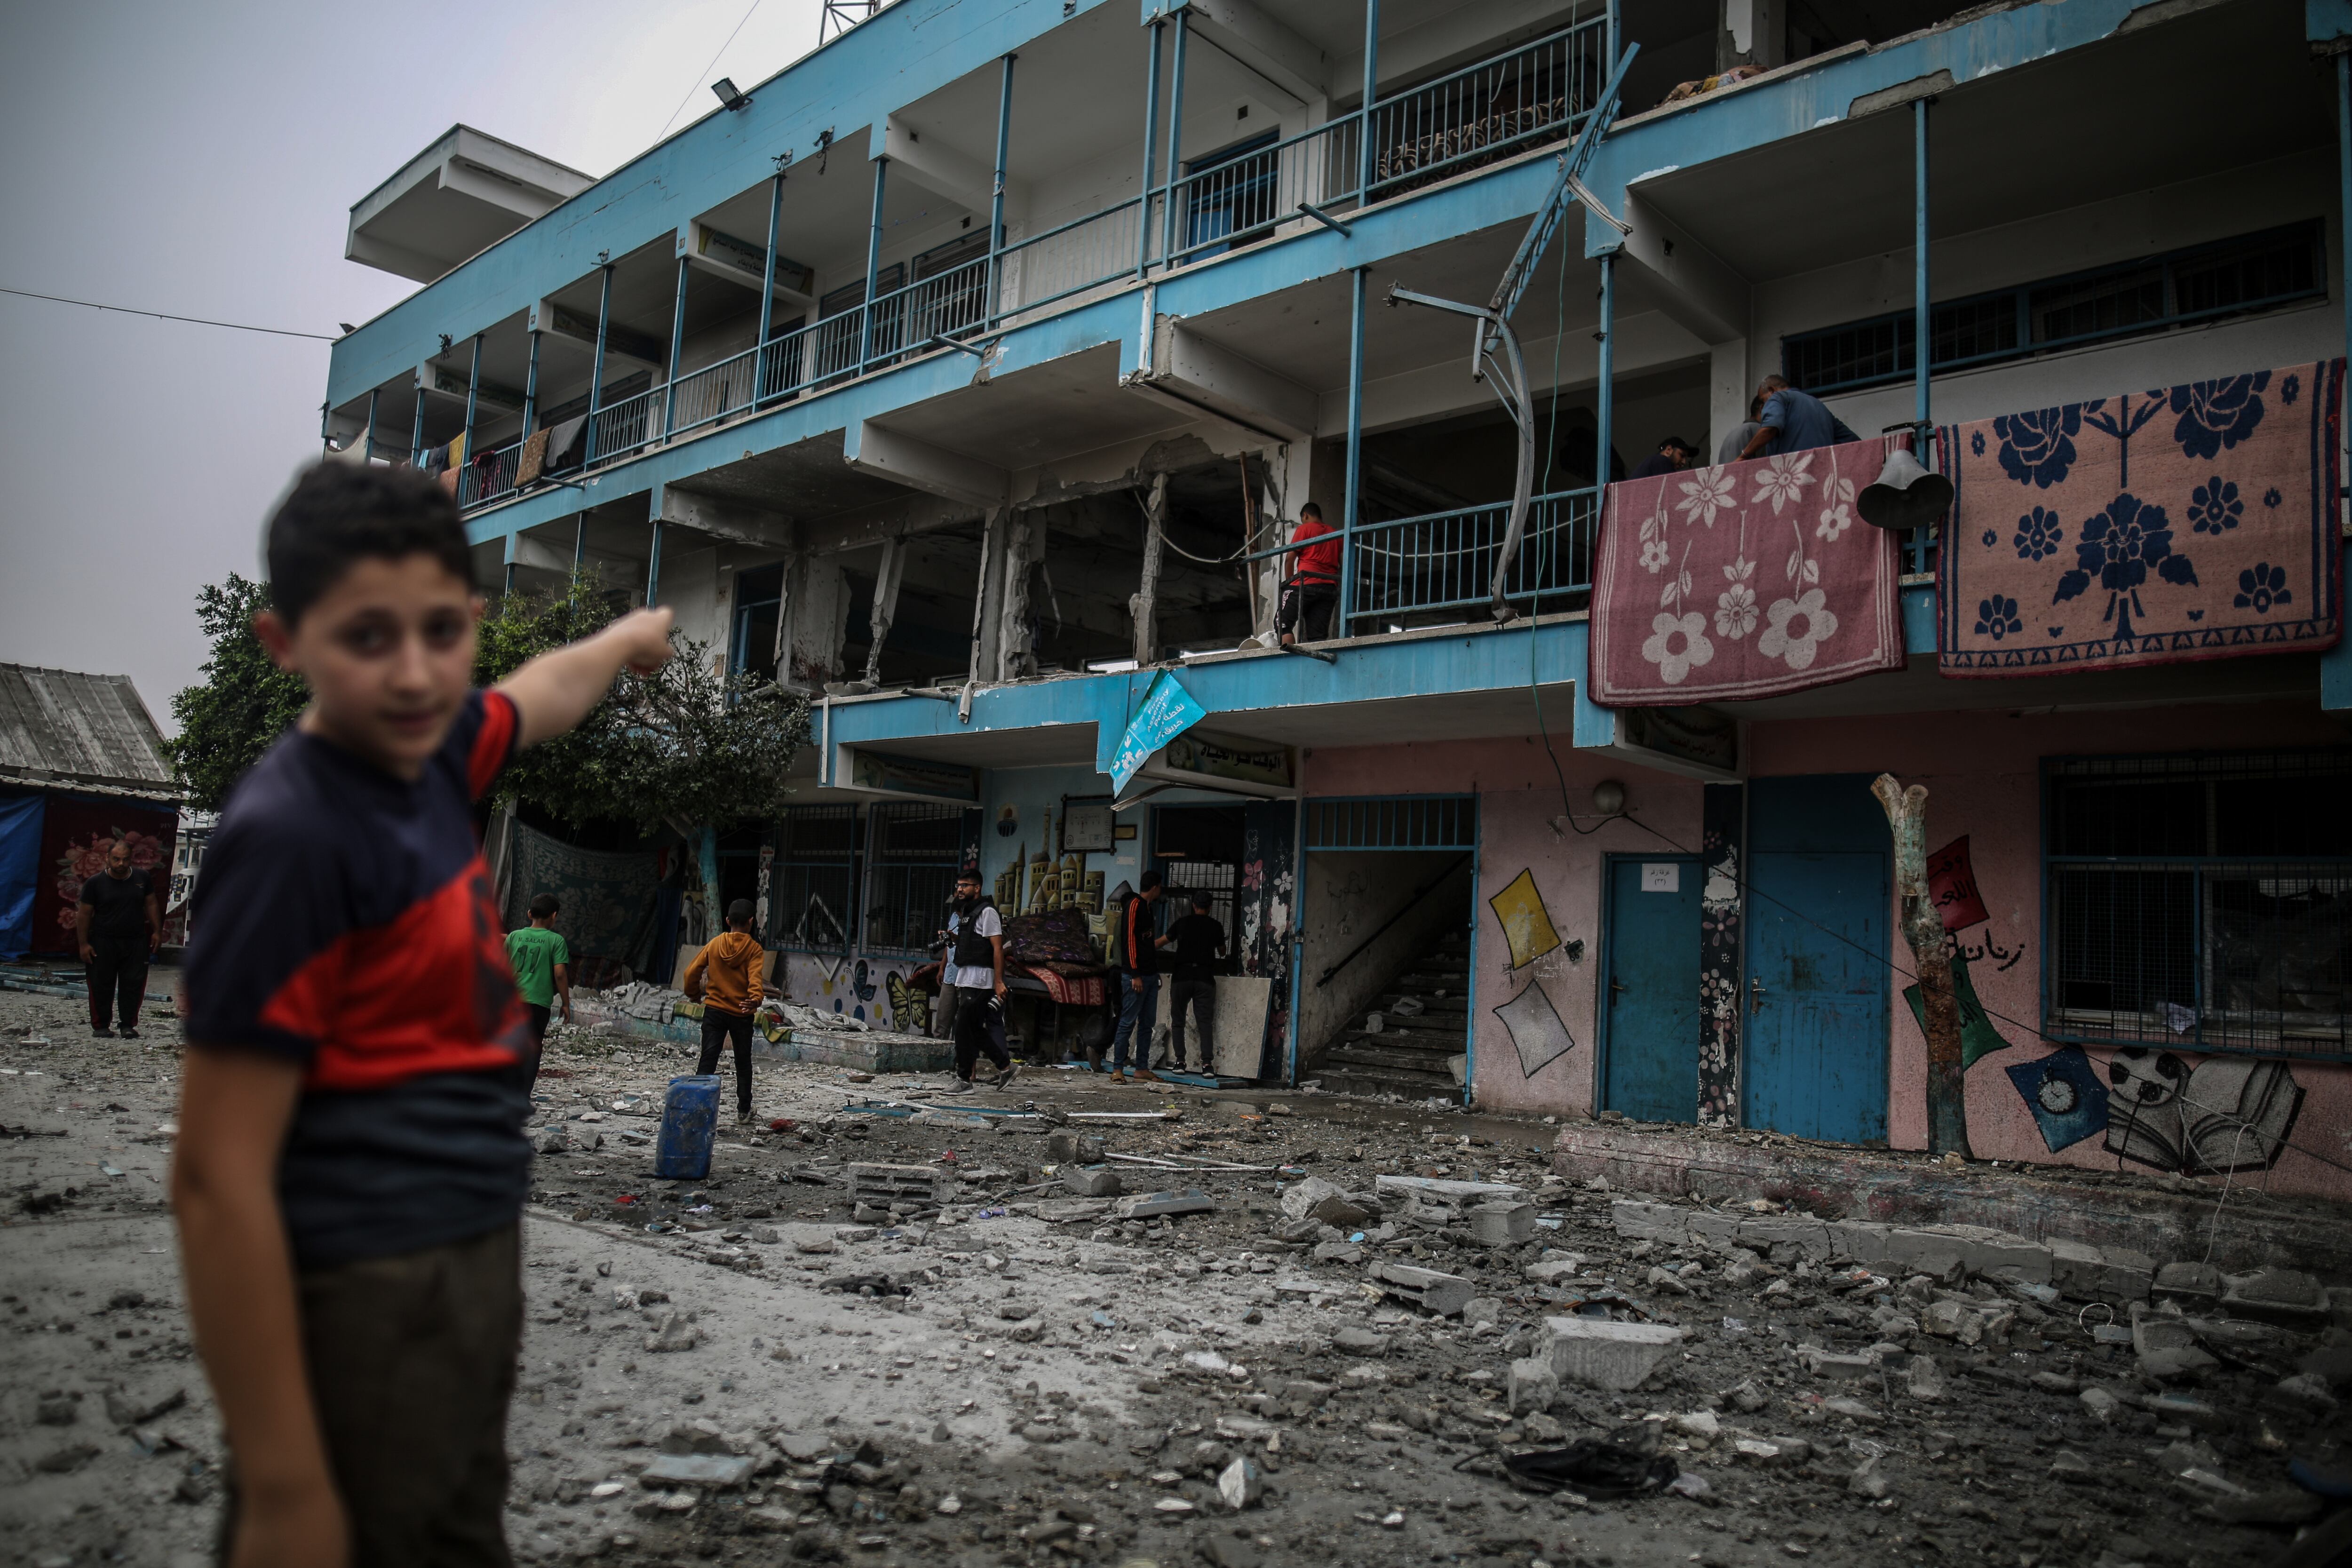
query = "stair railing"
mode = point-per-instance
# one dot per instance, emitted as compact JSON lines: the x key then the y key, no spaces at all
{"x":1419,"y":893}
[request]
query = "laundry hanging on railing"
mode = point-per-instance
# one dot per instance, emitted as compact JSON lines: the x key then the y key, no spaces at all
{"x":433,"y":459}
{"x":563,"y":443}
{"x":2185,"y":522}
{"x":532,"y":461}
{"x":1743,"y":581}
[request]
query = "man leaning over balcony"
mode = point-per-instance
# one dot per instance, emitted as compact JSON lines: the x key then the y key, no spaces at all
{"x":1793,"y":421}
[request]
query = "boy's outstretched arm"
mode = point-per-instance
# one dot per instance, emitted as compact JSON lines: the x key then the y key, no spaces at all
{"x":234,"y":1107}
{"x":555,"y":690}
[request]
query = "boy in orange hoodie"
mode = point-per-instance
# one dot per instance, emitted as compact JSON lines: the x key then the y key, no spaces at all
{"x":729,"y":968}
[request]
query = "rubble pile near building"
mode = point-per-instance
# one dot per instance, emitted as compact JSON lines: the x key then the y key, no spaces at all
{"x":1127,"y":1327}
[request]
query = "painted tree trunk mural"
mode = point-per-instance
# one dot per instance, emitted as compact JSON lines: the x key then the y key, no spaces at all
{"x":1922,"y":930}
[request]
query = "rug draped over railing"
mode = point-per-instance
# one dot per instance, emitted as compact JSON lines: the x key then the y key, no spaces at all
{"x":1744,"y":580}
{"x":2186,"y":522}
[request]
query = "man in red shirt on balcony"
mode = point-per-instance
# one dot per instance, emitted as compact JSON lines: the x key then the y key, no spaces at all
{"x":1313,"y":589}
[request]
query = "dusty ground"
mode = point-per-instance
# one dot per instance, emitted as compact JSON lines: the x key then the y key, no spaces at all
{"x":1030,"y":1401}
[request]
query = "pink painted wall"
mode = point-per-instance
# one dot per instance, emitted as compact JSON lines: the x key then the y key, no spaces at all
{"x":1518,"y":796}
{"x":1982,"y":774}
{"x":1982,"y":770}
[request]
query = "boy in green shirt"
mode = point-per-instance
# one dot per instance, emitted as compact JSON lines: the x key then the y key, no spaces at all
{"x":541,"y":964}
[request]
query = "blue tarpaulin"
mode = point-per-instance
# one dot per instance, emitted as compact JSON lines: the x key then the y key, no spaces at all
{"x":20,"y":858}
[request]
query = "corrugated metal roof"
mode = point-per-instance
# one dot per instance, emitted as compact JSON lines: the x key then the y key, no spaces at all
{"x":62,"y":727}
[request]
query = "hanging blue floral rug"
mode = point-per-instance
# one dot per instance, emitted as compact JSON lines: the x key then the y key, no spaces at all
{"x":2194,"y":521}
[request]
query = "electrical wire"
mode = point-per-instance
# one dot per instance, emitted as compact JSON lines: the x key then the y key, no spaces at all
{"x":706,"y":72}
{"x":1169,"y":544}
{"x":167,"y":316}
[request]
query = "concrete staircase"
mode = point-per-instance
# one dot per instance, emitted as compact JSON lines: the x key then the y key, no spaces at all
{"x":1408,"y":1057}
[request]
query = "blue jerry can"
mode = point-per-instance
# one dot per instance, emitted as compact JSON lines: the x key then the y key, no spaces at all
{"x":689,"y":1125}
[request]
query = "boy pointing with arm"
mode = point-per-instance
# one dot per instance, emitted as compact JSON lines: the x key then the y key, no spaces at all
{"x":351,"y":1166}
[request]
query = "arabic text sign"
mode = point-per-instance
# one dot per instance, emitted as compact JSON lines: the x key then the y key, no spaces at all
{"x":1952,"y":885}
{"x":1167,"y":712}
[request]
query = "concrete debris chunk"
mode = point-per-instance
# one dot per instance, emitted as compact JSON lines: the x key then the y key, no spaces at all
{"x":1092,"y":1181}
{"x":676,"y":1334}
{"x":1926,"y":1380}
{"x":1151,"y":1205}
{"x":1353,"y":1340}
{"x":1551,"y":1268}
{"x":1602,"y":1353}
{"x":1649,"y":1222}
{"x":1430,"y":1192}
{"x":1299,"y":1199}
{"x":1432,"y":1290}
{"x":721,"y":1472}
{"x":2192,"y":1284}
{"x":2276,"y":1295}
{"x":1532,"y":1386}
{"x":1239,"y":1484}
{"x":1502,"y":1223}
{"x":2115,"y":1275}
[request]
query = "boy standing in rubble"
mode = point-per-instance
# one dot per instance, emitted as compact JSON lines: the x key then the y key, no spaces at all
{"x":350,"y":1167}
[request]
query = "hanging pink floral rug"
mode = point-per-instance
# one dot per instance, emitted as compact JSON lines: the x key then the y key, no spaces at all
{"x":1749,"y":580}
{"x":2193,"y":521}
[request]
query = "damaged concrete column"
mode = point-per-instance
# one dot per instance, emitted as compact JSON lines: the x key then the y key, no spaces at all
{"x":886,"y":605}
{"x":1025,"y":546}
{"x":989,"y":594}
{"x":1923,"y":928}
{"x":1145,"y":606}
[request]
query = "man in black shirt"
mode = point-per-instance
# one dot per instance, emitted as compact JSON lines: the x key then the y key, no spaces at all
{"x":1199,"y":941}
{"x":119,"y":927}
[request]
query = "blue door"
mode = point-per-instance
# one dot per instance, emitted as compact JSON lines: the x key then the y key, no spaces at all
{"x":1816,"y":1062}
{"x":1650,"y":1041}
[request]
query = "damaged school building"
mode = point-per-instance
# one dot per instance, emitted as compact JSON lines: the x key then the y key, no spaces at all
{"x":967,"y":374}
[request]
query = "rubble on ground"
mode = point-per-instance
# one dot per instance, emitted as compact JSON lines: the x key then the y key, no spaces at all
{"x":903,"y":1322}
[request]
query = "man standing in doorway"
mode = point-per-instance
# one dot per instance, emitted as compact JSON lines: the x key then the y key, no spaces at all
{"x":119,"y":927}
{"x":1134,"y":949}
{"x":1308,"y":597}
{"x":1199,"y":940}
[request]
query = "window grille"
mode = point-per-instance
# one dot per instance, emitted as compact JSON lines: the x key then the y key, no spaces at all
{"x":2200,"y":902}
{"x":1393,"y":822}
{"x":815,"y":876}
{"x":2251,"y":272}
{"x":912,"y":849}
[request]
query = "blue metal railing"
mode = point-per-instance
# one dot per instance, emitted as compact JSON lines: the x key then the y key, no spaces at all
{"x":1410,"y":566}
{"x":1536,"y":92}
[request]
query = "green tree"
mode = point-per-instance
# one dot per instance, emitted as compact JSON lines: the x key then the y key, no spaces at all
{"x":688,"y":746}
{"x":244,"y":702}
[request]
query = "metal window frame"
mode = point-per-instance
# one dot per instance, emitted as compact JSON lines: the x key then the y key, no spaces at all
{"x":2313,"y":230}
{"x":1317,"y":818}
{"x":2059,"y":1025}
{"x":878,"y":816}
{"x":850,"y":918}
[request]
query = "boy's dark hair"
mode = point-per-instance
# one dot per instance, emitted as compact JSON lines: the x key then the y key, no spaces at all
{"x":1151,"y":881}
{"x":338,"y":513}
{"x":1201,"y":901}
{"x":740,"y":912}
{"x":544,"y":907}
{"x":1311,"y":509}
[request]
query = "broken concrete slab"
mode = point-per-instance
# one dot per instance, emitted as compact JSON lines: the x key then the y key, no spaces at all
{"x":2115,"y":1275}
{"x":1639,"y":1221}
{"x":1551,"y":1268}
{"x":1070,"y":1211}
{"x":720,"y":1472}
{"x":1152,"y":1205}
{"x":1430,"y":1192}
{"x":1600,"y":1354}
{"x":1299,"y":1199}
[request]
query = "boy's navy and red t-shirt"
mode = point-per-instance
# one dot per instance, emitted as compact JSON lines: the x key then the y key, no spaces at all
{"x":345,"y":921}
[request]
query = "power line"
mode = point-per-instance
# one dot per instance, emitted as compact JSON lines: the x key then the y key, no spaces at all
{"x":706,"y":72}
{"x":167,"y":316}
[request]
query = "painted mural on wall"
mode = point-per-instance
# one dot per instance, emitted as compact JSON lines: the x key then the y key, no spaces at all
{"x":1269,"y":903}
{"x":1538,"y":1032}
{"x":77,"y":831}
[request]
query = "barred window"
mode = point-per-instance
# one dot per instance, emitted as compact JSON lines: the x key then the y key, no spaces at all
{"x":815,"y":874}
{"x":912,"y":851}
{"x":2200,"y":901}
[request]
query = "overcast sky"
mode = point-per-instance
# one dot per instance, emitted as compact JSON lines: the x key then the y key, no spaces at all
{"x":203,"y":160}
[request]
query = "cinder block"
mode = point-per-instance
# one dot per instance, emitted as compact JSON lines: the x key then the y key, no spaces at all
{"x":1600,"y":1354}
{"x":1430,"y":1288}
{"x":1502,"y":1224}
{"x":1091,"y":1181}
{"x":882,"y":1186}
